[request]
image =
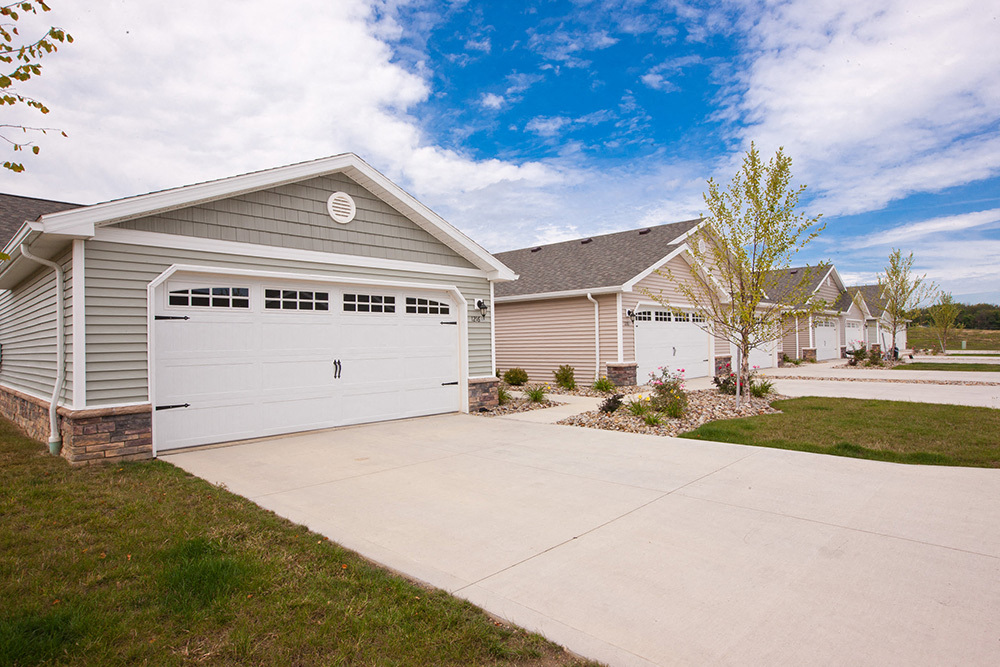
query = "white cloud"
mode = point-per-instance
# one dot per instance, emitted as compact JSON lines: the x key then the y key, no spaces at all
{"x":491,"y":101}
{"x":656,"y":81}
{"x":547,"y":126}
{"x":947,"y":225}
{"x":566,"y":47}
{"x":875,"y":100}
{"x":482,"y":45}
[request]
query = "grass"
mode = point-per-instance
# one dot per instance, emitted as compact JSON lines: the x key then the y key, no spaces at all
{"x":975,"y":339}
{"x":144,"y":564}
{"x":896,"y":431}
{"x":946,"y":366}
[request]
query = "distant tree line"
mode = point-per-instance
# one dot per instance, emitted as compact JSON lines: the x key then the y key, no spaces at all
{"x":979,"y":316}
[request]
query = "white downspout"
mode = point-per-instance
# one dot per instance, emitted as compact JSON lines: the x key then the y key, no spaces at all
{"x":55,"y":438}
{"x":597,"y":337}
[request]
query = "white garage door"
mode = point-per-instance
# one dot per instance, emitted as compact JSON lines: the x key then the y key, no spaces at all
{"x":242,"y":358}
{"x":672,"y":340}
{"x":762,"y":356}
{"x":854,"y":334}
{"x":827,"y":338}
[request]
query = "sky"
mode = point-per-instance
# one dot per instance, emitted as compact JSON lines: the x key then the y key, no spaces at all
{"x":534,"y":122}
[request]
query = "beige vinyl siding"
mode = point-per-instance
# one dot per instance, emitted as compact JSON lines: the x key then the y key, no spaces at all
{"x":117,"y":276}
{"x":853,"y":313}
{"x":608,"y":304}
{"x":28,"y":333}
{"x":295,"y":216}
{"x":788,"y":345}
{"x":540,"y":336}
{"x":828,"y":291}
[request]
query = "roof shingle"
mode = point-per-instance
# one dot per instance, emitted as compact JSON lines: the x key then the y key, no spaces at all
{"x":16,"y":210}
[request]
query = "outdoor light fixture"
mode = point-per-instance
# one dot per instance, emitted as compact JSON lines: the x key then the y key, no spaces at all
{"x":631,"y":315}
{"x":482,"y":306}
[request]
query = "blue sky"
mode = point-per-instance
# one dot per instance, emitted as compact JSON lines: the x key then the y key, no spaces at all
{"x":531,"y":122}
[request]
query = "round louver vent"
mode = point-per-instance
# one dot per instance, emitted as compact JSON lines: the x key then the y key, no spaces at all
{"x":341,"y":207}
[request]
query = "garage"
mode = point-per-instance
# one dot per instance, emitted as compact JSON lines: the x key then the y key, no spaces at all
{"x":826,"y":337}
{"x":762,"y":356}
{"x":239,"y":357}
{"x":672,"y":339}
{"x":854,"y":334}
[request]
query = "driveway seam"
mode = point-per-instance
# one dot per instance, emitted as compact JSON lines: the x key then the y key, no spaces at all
{"x":606,"y":523}
{"x":837,"y":525}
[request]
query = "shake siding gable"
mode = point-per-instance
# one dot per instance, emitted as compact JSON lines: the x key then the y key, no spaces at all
{"x":540,"y":336}
{"x":829,"y":293}
{"x":28,"y":333}
{"x":117,"y":276}
{"x":295,"y":216}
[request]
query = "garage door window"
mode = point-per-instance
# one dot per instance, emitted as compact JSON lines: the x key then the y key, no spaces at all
{"x":417,"y":306}
{"x":643,"y":316}
{"x":290,"y":299}
{"x":210,"y":297}
{"x":369,"y":303}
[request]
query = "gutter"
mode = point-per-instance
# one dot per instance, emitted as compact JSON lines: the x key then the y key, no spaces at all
{"x":597,"y":336}
{"x":55,"y":437}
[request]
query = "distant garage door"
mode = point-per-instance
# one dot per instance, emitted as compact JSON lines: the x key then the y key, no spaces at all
{"x":827,"y":338}
{"x":241,"y":358}
{"x":762,"y":356}
{"x":673,"y":340}
{"x":854,"y":334}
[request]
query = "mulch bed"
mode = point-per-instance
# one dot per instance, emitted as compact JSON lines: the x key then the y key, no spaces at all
{"x":516,"y":405}
{"x":593,"y":393}
{"x":703,"y":406}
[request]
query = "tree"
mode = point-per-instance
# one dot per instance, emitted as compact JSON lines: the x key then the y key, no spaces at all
{"x":902,"y":291}
{"x":943,"y":316}
{"x":740,"y":254}
{"x":24,"y":57}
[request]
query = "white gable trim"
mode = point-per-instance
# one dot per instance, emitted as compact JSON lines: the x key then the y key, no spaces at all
{"x":683,"y":237}
{"x":178,"y":242}
{"x":83,"y":222}
{"x":557,"y":295}
{"x":630,"y":285}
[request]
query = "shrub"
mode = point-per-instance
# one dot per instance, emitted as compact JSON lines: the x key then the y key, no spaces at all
{"x":611,"y":403}
{"x":604,"y":384}
{"x":652,"y":419}
{"x":668,"y":392}
{"x":874,"y":357}
{"x":536,"y":393}
{"x":856,"y":356}
{"x":515,"y":377}
{"x":638,"y":406}
{"x":503,"y":396}
{"x":760,"y":388}
{"x":564,"y":377}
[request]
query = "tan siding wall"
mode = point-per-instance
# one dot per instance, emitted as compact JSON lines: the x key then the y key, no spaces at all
{"x":28,"y":333}
{"x":853,"y":313}
{"x":829,"y":293}
{"x":609,"y":330}
{"x":540,"y":336}
{"x":116,"y":280}
{"x":295,"y":216}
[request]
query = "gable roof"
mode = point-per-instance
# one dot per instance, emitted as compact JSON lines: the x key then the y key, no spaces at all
{"x":781,"y":283}
{"x":15,"y":210}
{"x":597,"y":262}
{"x":872,"y":295}
{"x":83,"y":221}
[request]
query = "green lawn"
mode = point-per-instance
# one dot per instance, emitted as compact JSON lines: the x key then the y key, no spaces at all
{"x":975,"y":339}
{"x":883,"y":430}
{"x":144,"y":564}
{"x":945,"y":366}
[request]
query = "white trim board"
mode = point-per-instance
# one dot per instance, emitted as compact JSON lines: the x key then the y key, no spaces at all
{"x":178,"y":242}
{"x":558,"y":295}
{"x":79,"y":319}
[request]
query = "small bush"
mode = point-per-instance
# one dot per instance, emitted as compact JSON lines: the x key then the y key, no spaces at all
{"x":668,"y":392}
{"x":535,"y":393}
{"x":874,"y":357}
{"x":638,"y":407}
{"x":611,"y":403}
{"x":760,"y":388}
{"x":652,"y":419}
{"x":515,"y":377}
{"x":604,"y":384}
{"x":565,"y":378}
{"x":503,"y":395}
{"x":856,"y":356}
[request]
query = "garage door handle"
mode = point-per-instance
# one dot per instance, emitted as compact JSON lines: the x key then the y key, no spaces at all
{"x":171,"y":407}
{"x":675,"y":351}
{"x":445,"y":384}
{"x":336,"y":369}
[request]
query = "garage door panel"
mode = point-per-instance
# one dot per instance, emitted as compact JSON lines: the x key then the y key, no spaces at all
{"x":661,"y":341}
{"x":265,"y":371}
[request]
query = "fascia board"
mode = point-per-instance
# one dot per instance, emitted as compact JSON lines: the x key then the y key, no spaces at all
{"x":683,"y":237}
{"x":82,"y":222}
{"x":693,"y":262}
{"x":557,"y":295}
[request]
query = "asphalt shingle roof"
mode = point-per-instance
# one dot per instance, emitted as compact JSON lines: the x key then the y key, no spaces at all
{"x":609,"y":260}
{"x":872,"y":294}
{"x":781,"y":283}
{"x":15,"y":210}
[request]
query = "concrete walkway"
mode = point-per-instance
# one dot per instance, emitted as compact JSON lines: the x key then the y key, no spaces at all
{"x":640,"y":550}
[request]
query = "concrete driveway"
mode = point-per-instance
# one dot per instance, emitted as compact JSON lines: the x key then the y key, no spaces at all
{"x":639,"y":550}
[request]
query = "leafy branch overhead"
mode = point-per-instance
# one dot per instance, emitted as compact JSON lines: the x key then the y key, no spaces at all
{"x":23,"y":57}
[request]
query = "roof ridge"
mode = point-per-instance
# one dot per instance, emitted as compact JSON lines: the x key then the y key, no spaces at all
{"x":600,"y":236}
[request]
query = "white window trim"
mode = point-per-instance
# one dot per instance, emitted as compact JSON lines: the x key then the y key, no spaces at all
{"x":79,"y":319}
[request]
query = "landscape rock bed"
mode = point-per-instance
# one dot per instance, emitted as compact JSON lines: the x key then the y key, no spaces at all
{"x":974,"y":383}
{"x":593,"y":393}
{"x":704,"y":406}
{"x":516,"y":405}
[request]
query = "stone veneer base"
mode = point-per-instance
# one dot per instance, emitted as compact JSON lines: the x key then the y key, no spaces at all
{"x":483,"y":394}
{"x":623,"y":374}
{"x":88,"y":436}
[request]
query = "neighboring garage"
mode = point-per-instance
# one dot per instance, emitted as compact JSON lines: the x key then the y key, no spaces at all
{"x":672,"y":340}
{"x":827,"y":338}
{"x":303,"y":297}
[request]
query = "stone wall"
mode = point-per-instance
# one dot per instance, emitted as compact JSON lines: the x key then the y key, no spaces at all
{"x":723,"y":365}
{"x":809,"y":354}
{"x":88,"y":436}
{"x":623,"y":374}
{"x":483,"y":394}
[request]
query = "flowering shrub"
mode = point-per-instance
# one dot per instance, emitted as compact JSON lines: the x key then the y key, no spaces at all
{"x":668,"y":392}
{"x":857,"y":355}
{"x":751,"y":384}
{"x":638,"y":406}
